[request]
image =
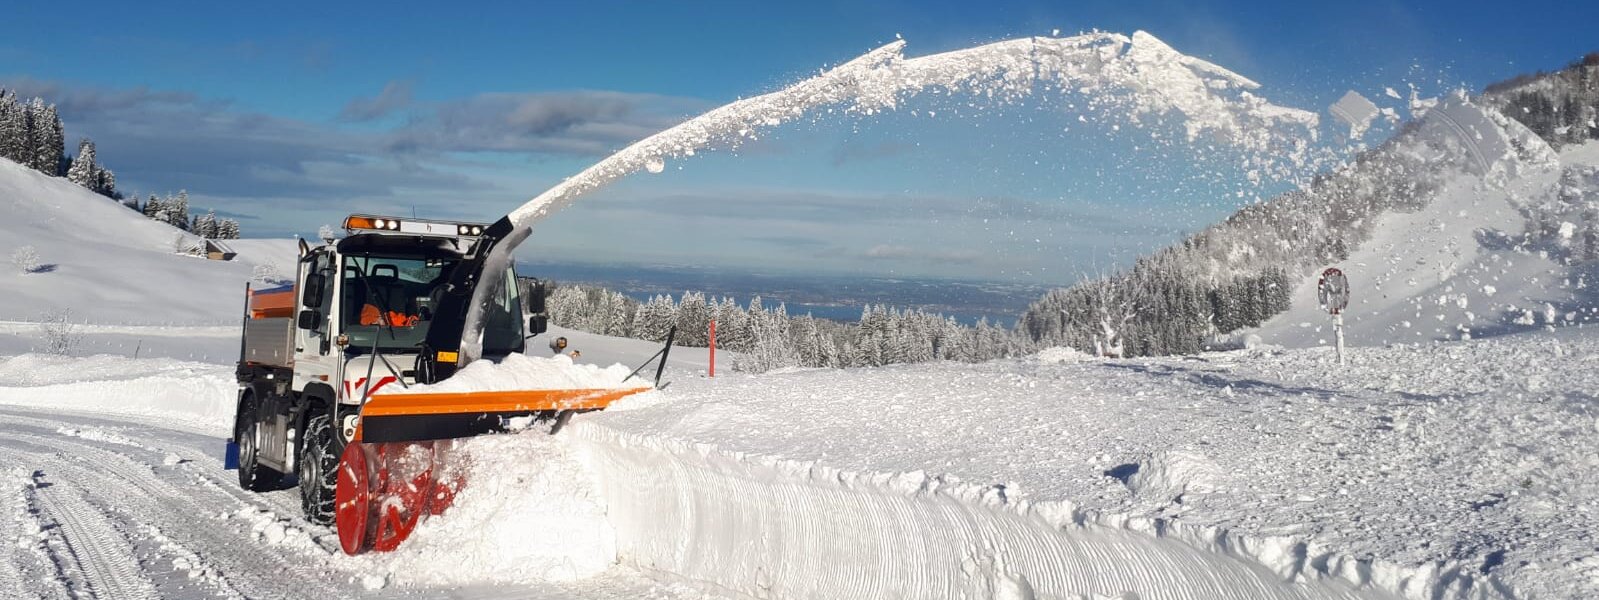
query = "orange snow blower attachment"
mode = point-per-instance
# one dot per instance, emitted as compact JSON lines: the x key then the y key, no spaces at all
{"x":395,"y":471}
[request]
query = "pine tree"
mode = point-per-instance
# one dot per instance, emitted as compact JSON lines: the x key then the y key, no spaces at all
{"x":732,"y":327}
{"x":175,"y":210}
{"x":621,"y":321}
{"x":152,"y":208}
{"x":34,"y":134}
{"x":83,"y":166}
{"x":693,"y":319}
{"x":52,"y":141}
{"x":227,"y":229}
{"x":13,"y":129}
{"x":105,"y":182}
{"x":205,"y":225}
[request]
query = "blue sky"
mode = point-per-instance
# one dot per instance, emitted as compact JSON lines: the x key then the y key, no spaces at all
{"x":290,"y":115}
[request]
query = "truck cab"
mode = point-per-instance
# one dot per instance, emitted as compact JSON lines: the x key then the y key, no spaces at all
{"x":355,"y":320}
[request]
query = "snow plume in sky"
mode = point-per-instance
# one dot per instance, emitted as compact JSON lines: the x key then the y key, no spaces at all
{"x":1139,"y":78}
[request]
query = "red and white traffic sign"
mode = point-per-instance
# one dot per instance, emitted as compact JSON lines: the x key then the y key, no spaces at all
{"x":1333,"y":291}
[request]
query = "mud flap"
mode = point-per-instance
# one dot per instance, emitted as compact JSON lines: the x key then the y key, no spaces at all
{"x":230,"y":455}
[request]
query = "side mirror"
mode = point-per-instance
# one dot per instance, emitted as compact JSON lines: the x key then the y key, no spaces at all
{"x":310,"y":319}
{"x":312,"y":296}
{"x":535,"y":303}
{"x":538,"y":324}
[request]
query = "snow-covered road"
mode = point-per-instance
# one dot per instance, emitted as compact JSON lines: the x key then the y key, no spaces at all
{"x":127,"y":507}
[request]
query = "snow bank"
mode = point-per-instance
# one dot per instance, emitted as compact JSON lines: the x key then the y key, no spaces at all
{"x":199,"y":396}
{"x":767,"y":527}
{"x":1453,"y":471}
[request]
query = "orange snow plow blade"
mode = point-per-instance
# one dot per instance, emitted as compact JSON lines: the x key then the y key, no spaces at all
{"x":405,"y":417}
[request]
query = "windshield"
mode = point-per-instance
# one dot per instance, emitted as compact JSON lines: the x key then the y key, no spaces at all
{"x":392,"y":299}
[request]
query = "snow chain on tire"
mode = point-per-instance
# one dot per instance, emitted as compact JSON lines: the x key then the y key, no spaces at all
{"x":319,"y":469}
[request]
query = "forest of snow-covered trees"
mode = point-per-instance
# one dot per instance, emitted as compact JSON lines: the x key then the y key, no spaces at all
{"x":174,"y":210}
{"x":1561,"y":107}
{"x":767,"y":338}
{"x":31,"y":135}
{"x":1238,"y":273}
{"x":1234,"y":274}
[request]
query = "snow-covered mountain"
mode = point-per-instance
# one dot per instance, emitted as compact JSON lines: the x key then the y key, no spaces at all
{"x":1490,"y":253}
{"x":1465,"y":223}
{"x":107,"y":264}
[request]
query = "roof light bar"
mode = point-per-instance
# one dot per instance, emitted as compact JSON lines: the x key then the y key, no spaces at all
{"x":364,"y":222}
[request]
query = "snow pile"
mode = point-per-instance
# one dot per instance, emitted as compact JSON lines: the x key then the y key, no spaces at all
{"x":523,"y":372}
{"x":269,"y":528}
{"x":1170,"y":475}
{"x":529,"y":512}
{"x":1135,"y":78}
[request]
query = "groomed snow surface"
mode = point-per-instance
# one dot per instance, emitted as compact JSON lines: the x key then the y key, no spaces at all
{"x":1458,"y":470}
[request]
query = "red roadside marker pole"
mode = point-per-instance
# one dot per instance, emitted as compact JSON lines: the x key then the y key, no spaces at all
{"x":713,"y":347}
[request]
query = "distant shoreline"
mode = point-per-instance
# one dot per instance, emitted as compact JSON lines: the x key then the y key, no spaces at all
{"x":835,"y":297}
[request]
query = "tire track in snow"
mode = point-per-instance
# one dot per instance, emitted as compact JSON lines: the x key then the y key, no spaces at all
{"x":141,"y":475}
{"x":243,"y":561}
{"x":103,"y":556}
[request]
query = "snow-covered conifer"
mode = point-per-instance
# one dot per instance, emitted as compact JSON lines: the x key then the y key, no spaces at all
{"x":83,"y":165}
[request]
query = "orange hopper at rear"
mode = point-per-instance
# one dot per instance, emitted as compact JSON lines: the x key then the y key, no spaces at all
{"x":273,"y":303}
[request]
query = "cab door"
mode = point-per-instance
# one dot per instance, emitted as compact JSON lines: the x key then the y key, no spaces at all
{"x":315,"y":357}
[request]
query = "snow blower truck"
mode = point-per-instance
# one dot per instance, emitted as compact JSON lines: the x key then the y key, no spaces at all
{"x":388,"y":305}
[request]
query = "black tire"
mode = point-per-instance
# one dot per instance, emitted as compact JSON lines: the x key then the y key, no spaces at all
{"x":253,"y":475}
{"x":319,"y":469}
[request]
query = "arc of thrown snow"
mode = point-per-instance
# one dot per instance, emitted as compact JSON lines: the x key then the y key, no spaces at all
{"x":1137,"y":76}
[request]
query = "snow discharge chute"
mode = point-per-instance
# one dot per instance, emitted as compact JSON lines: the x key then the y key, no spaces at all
{"x":1138,"y":76}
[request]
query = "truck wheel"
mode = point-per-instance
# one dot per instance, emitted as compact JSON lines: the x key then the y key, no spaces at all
{"x":319,"y":469}
{"x":253,"y":476}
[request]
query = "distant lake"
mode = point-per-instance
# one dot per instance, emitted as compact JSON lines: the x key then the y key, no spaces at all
{"x":839,"y":298}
